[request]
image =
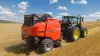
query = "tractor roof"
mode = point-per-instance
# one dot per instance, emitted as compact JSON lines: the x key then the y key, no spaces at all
{"x":70,"y":16}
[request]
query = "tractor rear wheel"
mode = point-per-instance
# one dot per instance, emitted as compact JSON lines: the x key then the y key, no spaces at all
{"x":46,"y":45}
{"x":84,"y":32}
{"x":73,"y":34}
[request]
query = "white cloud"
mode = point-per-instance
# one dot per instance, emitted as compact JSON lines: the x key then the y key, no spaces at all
{"x":59,"y":16}
{"x":49,"y":13}
{"x":7,"y":14}
{"x":79,"y":1}
{"x":53,"y":1}
{"x":62,"y":8}
{"x":22,"y":6}
{"x":82,"y":2}
{"x":22,"y":11}
{"x":95,"y":14}
{"x":73,"y":1}
{"x":92,"y":16}
{"x":13,"y":6}
{"x":63,"y":14}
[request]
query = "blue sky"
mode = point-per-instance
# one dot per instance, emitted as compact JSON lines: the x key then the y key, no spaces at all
{"x":15,"y":9}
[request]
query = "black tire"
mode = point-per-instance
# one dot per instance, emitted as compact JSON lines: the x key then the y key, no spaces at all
{"x":29,"y":43}
{"x":57,"y":43}
{"x":84,"y":32}
{"x":70,"y":34}
{"x":46,"y":45}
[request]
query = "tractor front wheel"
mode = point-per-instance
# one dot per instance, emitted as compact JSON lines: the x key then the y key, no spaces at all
{"x":84,"y":32}
{"x":46,"y":45}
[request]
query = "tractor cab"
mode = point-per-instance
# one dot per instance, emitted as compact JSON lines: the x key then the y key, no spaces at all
{"x":67,"y":20}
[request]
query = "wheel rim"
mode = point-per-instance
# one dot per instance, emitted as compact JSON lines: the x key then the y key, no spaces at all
{"x":76,"y":34}
{"x":48,"y":46}
{"x":85,"y":33}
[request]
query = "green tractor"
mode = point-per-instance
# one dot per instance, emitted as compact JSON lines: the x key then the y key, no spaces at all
{"x":72,"y":28}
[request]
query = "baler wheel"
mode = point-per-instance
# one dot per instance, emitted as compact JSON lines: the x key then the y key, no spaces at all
{"x":29,"y":42}
{"x":46,"y":45}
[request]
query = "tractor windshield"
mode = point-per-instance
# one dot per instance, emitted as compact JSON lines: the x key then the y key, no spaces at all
{"x":65,"y":20}
{"x":70,"y":20}
{"x":74,"y":20}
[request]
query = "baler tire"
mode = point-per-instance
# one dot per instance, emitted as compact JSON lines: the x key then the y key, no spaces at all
{"x":46,"y":45}
{"x":57,"y":43}
{"x":29,"y":42}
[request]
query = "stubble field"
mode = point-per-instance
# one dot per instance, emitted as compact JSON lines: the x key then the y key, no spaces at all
{"x":12,"y":45}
